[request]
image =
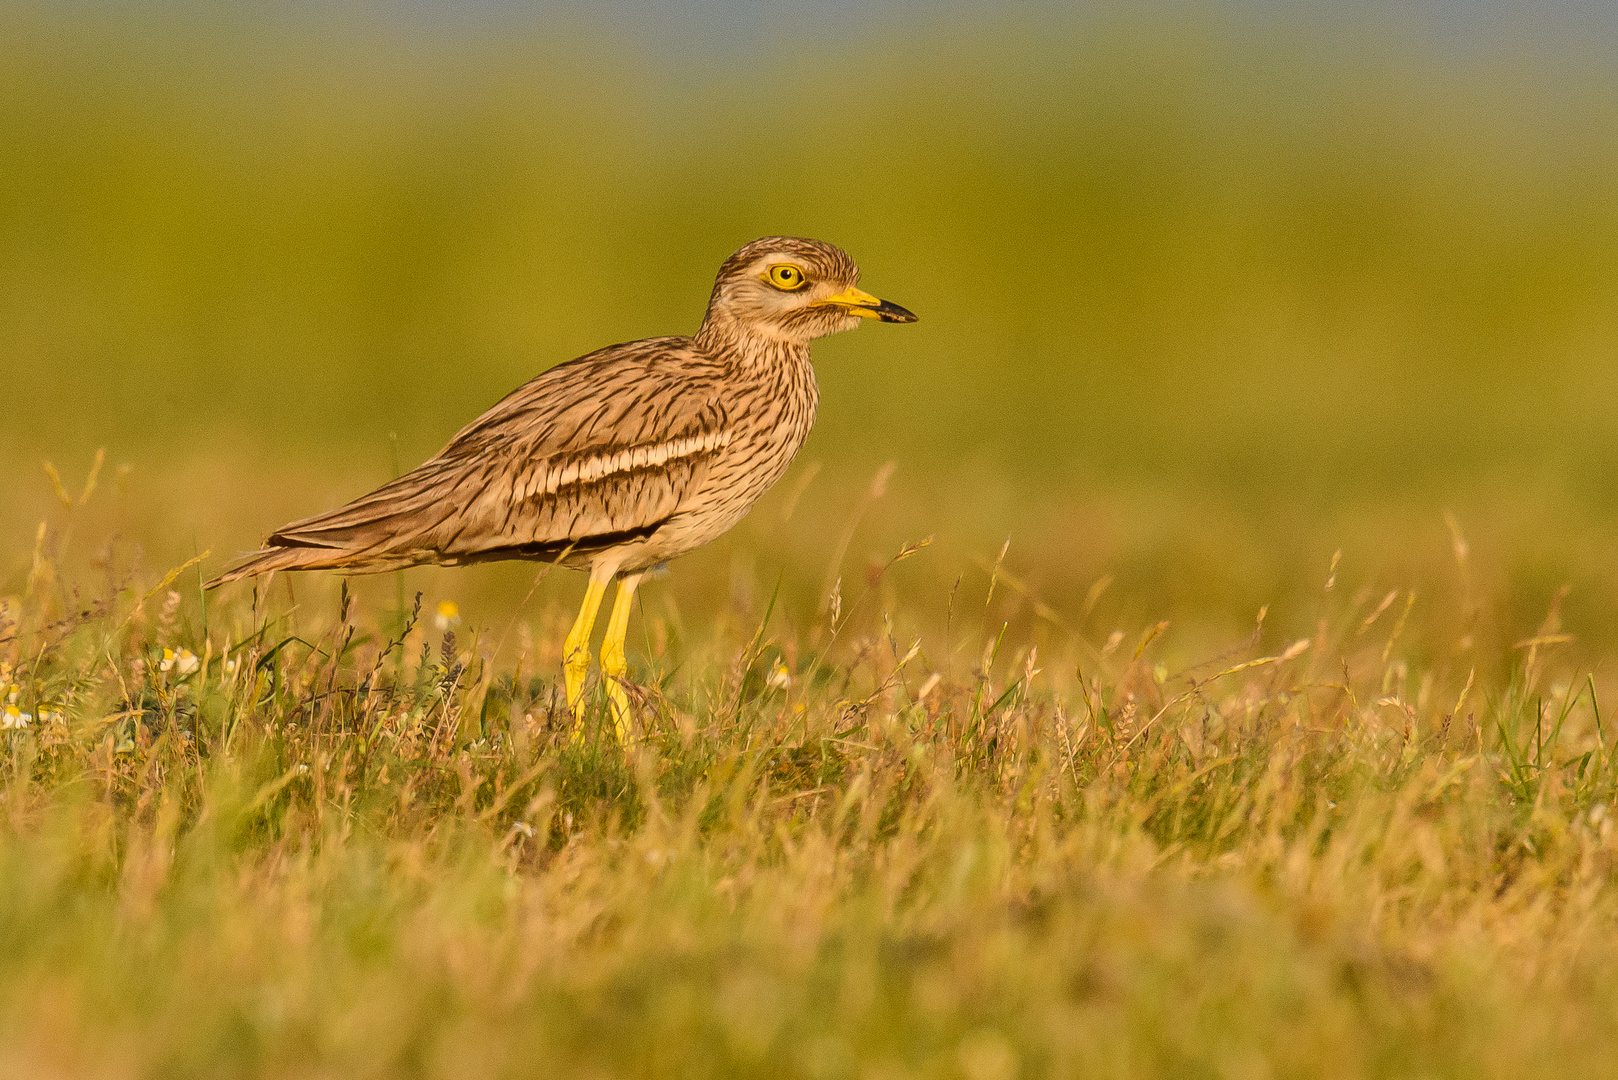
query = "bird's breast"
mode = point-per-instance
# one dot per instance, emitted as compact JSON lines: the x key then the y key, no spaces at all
{"x":768,"y":420}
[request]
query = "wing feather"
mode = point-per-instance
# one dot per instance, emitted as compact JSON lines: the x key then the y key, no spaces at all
{"x":589,"y":453}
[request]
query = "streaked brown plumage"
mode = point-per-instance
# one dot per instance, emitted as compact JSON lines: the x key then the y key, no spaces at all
{"x":616,"y":461}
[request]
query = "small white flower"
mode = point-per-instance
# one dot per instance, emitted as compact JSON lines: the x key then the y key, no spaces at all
{"x":183,"y":662}
{"x":780,"y":678}
{"x":11,"y":693}
{"x":230,"y":665}
{"x":46,"y":716}
{"x":523,"y":827}
{"x":13,"y":718}
{"x":449,"y":614}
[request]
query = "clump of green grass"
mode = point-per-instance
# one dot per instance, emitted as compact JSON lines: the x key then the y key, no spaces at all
{"x":258,"y":840}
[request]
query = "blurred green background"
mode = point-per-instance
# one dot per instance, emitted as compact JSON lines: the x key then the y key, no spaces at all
{"x":1208,"y":292}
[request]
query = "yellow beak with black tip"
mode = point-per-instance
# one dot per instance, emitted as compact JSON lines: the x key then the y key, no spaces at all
{"x":866,"y":306}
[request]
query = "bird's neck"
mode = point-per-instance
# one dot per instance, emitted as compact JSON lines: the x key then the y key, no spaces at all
{"x":750,"y":346}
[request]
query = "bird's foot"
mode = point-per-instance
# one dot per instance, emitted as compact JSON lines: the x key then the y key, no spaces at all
{"x":576,"y":649}
{"x":574,"y":668}
{"x":619,"y":701}
{"x":614,"y":670}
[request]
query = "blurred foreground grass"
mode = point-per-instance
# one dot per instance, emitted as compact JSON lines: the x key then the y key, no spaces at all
{"x":300,"y":838}
{"x":1272,"y":744}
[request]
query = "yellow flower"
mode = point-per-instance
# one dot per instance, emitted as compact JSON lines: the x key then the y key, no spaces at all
{"x":14,"y":718}
{"x":449,"y":614}
{"x":183,"y":662}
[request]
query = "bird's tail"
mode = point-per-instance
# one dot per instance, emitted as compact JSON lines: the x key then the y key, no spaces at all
{"x":370,"y":535}
{"x":308,"y":558}
{"x":264,"y":562}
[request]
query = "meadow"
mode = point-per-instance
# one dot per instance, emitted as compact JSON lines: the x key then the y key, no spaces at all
{"x":1187,"y":651}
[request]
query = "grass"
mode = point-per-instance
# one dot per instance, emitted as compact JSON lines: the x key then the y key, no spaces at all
{"x":339,"y":840}
{"x":1277,"y":741}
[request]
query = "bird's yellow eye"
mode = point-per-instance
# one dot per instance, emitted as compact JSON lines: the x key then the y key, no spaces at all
{"x":786,"y":276}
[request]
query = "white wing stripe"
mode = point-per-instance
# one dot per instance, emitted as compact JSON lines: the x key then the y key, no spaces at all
{"x":656,"y":455}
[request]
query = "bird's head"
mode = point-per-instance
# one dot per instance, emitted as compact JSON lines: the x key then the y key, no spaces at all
{"x":792,"y":290}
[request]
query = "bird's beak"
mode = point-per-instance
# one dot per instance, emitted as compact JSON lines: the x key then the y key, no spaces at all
{"x":866,"y":306}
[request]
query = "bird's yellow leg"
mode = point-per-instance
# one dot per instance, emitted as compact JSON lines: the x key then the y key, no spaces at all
{"x":614,"y":664}
{"x":576,"y":649}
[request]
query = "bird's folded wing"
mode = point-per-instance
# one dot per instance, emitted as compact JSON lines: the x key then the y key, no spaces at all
{"x":591,"y":453}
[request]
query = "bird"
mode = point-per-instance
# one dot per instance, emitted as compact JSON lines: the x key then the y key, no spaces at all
{"x":615,"y":462}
